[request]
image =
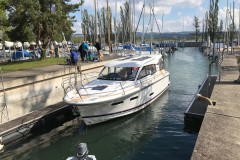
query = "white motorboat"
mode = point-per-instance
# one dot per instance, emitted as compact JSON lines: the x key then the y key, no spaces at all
{"x":124,"y":86}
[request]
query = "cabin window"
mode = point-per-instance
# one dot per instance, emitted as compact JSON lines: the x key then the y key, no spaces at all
{"x":118,"y":73}
{"x":147,"y":70}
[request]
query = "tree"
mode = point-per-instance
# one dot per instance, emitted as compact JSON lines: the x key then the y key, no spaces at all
{"x":220,"y":30}
{"x":196,"y":24}
{"x":125,"y":21}
{"x":232,"y":28}
{"x":41,"y":19}
{"x":85,"y":25}
{"x":4,"y":25}
{"x":213,"y":19}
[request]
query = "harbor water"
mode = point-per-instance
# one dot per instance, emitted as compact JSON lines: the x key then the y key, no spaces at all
{"x":155,"y":133}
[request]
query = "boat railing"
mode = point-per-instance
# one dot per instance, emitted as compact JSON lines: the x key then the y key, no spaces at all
{"x":68,"y":83}
{"x":121,"y":87}
{"x":76,"y":80}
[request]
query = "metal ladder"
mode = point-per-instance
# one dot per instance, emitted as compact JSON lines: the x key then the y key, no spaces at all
{"x":3,"y":109}
{"x":70,"y":77}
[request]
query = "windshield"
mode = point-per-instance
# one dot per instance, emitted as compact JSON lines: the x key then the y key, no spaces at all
{"x":118,"y":73}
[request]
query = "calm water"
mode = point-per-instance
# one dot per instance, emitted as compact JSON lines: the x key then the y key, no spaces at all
{"x":156,"y":133}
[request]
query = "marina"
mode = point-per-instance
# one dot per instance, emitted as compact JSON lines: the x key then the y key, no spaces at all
{"x":119,"y":80}
{"x":152,"y":132}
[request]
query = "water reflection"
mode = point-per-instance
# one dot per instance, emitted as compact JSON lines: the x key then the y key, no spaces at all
{"x":157,"y":132}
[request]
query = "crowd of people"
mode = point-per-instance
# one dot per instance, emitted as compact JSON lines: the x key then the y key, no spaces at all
{"x":85,"y":53}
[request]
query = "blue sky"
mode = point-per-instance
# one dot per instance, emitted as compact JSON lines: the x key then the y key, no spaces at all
{"x":178,"y":14}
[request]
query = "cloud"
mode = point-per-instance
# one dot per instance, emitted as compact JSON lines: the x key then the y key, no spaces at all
{"x":179,"y":3}
{"x":174,"y":12}
{"x":222,"y":16}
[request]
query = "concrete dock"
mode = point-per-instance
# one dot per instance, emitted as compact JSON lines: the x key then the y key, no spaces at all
{"x":219,"y":136}
{"x":20,"y":119}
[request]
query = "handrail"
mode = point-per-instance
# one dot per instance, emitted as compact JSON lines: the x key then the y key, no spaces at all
{"x":121,"y":84}
{"x":4,"y":104}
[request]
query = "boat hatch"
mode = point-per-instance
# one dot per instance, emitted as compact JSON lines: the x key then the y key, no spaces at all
{"x":141,"y":58}
{"x":100,"y":88}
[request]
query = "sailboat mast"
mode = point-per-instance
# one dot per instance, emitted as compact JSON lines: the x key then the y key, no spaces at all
{"x":238,"y":24}
{"x":134,"y":35}
{"x":143,"y":32}
{"x":108,"y":19}
{"x":227,"y":28}
{"x":95,"y":7}
{"x":130,"y":25}
{"x":233,"y":25}
{"x":115,"y":24}
{"x":151,"y":12}
{"x":83,"y":31}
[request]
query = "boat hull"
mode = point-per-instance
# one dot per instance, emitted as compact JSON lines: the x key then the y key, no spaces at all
{"x":128,"y":104}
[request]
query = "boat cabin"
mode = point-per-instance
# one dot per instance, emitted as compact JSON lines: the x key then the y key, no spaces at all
{"x":131,"y":68}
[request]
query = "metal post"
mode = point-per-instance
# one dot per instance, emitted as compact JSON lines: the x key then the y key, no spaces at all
{"x":108,"y":19}
{"x":96,"y":35}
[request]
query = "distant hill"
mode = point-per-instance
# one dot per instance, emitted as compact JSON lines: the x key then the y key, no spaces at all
{"x":78,"y":35}
{"x":156,"y":35}
{"x":168,"y":35}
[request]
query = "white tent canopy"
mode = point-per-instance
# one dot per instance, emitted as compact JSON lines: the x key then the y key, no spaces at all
{"x":9,"y":44}
{"x":64,"y":42}
{"x":26,"y":44}
{"x":18,"y":44}
{"x":33,"y":43}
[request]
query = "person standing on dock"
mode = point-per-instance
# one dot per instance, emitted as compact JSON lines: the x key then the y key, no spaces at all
{"x":98,"y":47}
{"x":73,"y":57}
{"x":85,"y":50}
{"x":80,"y":50}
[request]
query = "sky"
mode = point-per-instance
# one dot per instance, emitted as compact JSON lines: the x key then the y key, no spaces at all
{"x":177,"y":15}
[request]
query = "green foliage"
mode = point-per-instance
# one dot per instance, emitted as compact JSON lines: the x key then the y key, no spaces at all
{"x":77,"y":39}
{"x":125,"y":21}
{"x":213,"y":19}
{"x":4,"y":25}
{"x":232,"y":31}
{"x":3,"y":17}
{"x":196,"y":24}
{"x":219,"y":33}
{"x":88,"y":25}
{"x":40,"y":19}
